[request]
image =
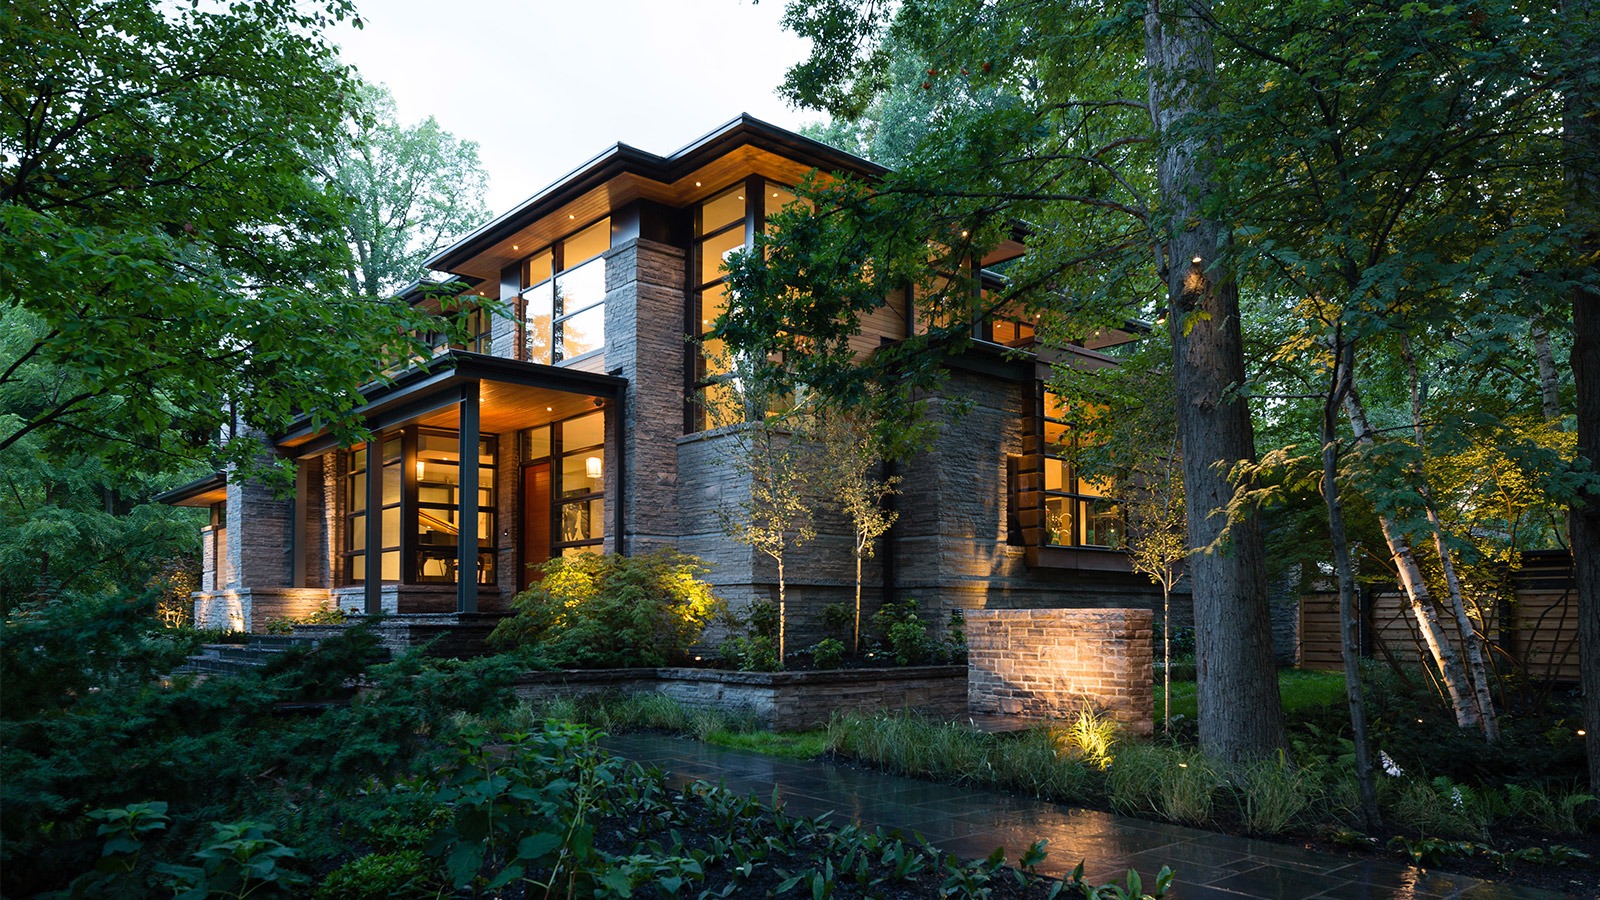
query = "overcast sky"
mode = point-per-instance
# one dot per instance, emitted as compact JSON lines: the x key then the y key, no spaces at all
{"x":543,"y":86}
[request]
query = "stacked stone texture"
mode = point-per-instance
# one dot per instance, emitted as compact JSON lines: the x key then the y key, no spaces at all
{"x":1051,"y":662}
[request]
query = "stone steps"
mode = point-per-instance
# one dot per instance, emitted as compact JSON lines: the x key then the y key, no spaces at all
{"x":232,"y":659}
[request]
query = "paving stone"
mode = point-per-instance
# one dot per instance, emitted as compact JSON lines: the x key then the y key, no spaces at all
{"x":972,"y":823}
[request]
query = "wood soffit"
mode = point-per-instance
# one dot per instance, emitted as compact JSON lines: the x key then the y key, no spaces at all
{"x":621,"y":190}
{"x":741,"y":147}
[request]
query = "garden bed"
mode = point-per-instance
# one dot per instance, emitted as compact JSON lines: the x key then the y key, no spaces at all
{"x":781,"y":701}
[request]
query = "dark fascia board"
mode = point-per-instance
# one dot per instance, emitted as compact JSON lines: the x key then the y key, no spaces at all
{"x":459,"y":366}
{"x":178,"y":495}
{"x":622,"y":159}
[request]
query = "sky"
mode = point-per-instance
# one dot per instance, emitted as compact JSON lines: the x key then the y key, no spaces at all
{"x":544,"y":86}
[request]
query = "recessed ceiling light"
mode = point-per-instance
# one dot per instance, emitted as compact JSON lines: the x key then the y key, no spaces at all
{"x":549,"y":409}
{"x":697,"y":184}
{"x":571,"y":216}
{"x":514,"y":247}
{"x":741,"y":196}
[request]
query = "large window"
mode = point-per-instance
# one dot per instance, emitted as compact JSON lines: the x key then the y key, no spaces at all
{"x":575,"y":451}
{"x":564,"y":292}
{"x":387,"y":462}
{"x":420,"y":515}
{"x":723,"y":224}
{"x":1077,"y":510}
{"x":438,"y":507}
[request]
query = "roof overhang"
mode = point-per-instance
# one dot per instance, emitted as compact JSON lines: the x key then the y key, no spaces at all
{"x":438,"y":384}
{"x":201,"y":492}
{"x":625,"y":173}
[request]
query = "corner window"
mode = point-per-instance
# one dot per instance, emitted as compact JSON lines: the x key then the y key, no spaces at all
{"x":420,"y":516}
{"x":564,"y":292}
{"x":1078,"y":512}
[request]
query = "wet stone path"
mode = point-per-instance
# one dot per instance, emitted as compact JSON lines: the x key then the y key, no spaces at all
{"x":971,"y":822}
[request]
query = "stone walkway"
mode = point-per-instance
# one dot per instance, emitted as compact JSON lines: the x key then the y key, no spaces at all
{"x":971,"y":823}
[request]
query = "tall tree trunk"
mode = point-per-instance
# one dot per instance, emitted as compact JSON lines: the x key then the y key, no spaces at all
{"x":1581,"y":140}
{"x":1166,"y":656}
{"x":783,"y":612}
{"x":1549,"y":381}
{"x":1241,"y":712}
{"x":1471,"y":639}
{"x":1349,"y":635}
{"x":855,"y":649}
{"x":1462,"y":699}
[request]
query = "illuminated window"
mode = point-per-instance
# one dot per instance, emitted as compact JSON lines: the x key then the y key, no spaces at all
{"x":420,"y":518}
{"x":564,"y":292}
{"x":723,"y":226}
{"x":1078,"y":511}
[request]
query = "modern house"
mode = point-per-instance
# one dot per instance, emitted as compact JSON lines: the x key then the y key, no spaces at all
{"x":574,"y":416}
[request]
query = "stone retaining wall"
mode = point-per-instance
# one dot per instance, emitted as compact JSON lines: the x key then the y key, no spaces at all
{"x":1049,"y":662}
{"x":782,"y":701}
{"x":250,"y":609}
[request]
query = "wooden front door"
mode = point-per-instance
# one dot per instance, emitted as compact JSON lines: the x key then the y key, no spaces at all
{"x":535,"y":522}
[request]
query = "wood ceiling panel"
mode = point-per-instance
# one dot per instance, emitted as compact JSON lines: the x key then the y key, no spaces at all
{"x":506,"y":408}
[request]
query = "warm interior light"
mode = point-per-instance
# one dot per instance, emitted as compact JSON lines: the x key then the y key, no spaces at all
{"x":591,"y":467}
{"x":419,"y":470}
{"x":514,"y":246}
{"x":741,"y":196}
{"x":697,"y":184}
{"x":571,"y":216}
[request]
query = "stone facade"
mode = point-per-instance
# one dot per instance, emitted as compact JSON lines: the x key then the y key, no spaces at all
{"x":251,"y":609}
{"x":1050,"y":662}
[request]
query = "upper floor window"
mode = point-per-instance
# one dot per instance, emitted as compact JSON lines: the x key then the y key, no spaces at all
{"x":1078,"y":511}
{"x":564,"y":292}
{"x":723,"y":225}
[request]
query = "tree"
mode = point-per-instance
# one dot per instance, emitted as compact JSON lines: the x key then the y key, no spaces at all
{"x":850,"y":473}
{"x":1241,"y":714}
{"x":166,"y":263}
{"x":773,"y":515}
{"x":411,"y":190}
{"x":1581,"y":127}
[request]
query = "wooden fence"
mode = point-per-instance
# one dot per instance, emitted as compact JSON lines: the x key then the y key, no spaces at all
{"x":1536,"y":634}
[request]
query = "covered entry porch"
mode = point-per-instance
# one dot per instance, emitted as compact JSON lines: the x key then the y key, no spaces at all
{"x":479,"y":469}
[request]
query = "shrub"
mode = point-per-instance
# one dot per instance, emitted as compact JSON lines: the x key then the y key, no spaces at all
{"x":328,"y":615}
{"x":377,"y":876}
{"x":750,"y":654}
{"x":592,"y":611}
{"x":827,"y":653}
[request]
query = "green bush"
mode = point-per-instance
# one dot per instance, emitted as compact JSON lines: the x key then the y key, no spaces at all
{"x":378,"y":876}
{"x":827,"y":653}
{"x":594,"y":612}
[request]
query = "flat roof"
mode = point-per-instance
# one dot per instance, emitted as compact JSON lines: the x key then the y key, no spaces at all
{"x":622,"y":159}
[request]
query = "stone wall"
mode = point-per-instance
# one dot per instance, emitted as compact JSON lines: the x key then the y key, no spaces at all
{"x":645,"y":344}
{"x":820,"y":572}
{"x":250,"y":609}
{"x":953,"y":545}
{"x":1049,"y":662}
{"x":782,"y":701}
